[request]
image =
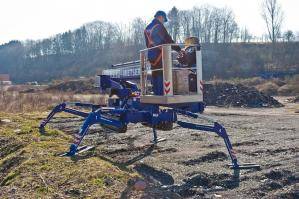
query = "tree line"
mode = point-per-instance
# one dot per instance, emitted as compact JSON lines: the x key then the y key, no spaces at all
{"x":99,"y":44}
{"x":210,"y":24}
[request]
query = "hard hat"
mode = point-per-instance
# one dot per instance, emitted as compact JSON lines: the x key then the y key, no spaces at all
{"x":191,"y":41}
{"x":161,"y":13}
{"x":188,"y":55}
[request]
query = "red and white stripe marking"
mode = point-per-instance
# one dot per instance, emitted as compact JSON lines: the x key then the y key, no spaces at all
{"x":166,"y":87}
{"x":233,"y":153}
{"x":77,"y":138}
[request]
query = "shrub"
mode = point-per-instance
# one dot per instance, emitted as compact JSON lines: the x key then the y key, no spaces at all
{"x":269,"y":88}
{"x":289,"y":89}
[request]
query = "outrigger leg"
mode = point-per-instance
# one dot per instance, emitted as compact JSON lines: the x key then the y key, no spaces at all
{"x":93,"y":118}
{"x":155,"y":137}
{"x":78,"y":138}
{"x":90,"y":119}
{"x":219,"y":130}
{"x":63,"y":108}
{"x":155,"y":121}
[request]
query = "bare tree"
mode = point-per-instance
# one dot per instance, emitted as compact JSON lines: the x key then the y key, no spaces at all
{"x":216,"y":17}
{"x":289,"y":36}
{"x":245,"y":36}
{"x":174,"y":23}
{"x":273,"y":16}
{"x":197,"y":29}
{"x":137,"y":28}
{"x":207,"y":23}
{"x":227,"y":16}
{"x":185,"y":23}
{"x":233,"y":31}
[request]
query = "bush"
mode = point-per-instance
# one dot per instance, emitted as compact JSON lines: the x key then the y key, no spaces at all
{"x":253,"y":81}
{"x":269,"y":88}
{"x":289,"y":89}
{"x":292,"y":80}
{"x":278,"y":82}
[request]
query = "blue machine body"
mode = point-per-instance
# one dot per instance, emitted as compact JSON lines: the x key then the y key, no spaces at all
{"x":128,"y":109}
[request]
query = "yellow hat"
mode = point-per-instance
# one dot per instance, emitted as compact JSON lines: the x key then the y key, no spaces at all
{"x":191,"y":41}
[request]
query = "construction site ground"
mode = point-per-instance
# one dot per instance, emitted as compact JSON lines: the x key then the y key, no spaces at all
{"x":193,"y":164}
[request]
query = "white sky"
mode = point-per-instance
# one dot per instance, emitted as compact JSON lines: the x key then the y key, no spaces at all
{"x":37,"y":19}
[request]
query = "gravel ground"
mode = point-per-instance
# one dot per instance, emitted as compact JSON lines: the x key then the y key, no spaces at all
{"x":193,"y":164}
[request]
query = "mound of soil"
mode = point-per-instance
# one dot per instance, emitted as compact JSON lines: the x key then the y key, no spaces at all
{"x":202,"y":183}
{"x":225,"y":94}
{"x":277,"y":179}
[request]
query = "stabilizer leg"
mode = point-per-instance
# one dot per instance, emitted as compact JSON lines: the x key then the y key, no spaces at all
{"x":93,"y":117}
{"x":61,"y":108}
{"x":155,"y":137}
{"x":78,"y":138}
{"x":220,"y":130}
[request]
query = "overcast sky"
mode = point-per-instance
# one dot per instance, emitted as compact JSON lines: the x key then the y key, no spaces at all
{"x":37,"y":19}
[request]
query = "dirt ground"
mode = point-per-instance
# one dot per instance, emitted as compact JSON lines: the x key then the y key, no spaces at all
{"x":193,"y":164}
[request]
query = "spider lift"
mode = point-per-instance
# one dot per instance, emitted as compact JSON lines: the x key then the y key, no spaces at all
{"x":183,"y":95}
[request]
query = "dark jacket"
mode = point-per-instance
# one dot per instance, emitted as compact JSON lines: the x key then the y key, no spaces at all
{"x":156,"y":34}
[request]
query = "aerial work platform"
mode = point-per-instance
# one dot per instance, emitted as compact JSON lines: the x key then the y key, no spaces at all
{"x":182,"y":83}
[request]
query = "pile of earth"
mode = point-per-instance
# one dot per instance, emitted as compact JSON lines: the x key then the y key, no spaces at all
{"x":226,"y":94}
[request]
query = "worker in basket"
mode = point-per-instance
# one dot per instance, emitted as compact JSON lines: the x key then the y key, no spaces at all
{"x":156,"y":34}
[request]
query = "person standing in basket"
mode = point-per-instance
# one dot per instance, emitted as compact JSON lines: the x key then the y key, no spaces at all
{"x":156,"y":34}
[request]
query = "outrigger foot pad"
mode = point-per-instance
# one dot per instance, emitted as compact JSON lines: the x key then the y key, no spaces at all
{"x":245,"y":166}
{"x":158,"y":140}
{"x":42,"y":130}
{"x":78,"y":151}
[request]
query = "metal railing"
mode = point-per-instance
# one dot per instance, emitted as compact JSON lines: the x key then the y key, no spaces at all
{"x":171,"y":70}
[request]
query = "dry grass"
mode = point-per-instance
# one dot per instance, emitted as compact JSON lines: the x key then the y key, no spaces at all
{"x":247,"y":82}
{"x":289,"y":90}
{"x":289,"y":86}
{"x":269,"y":88}
{"x":16,"y":102}
{"x":29,"y":166}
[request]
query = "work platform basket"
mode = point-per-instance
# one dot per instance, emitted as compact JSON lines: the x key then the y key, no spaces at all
{"x":182,"y":82}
